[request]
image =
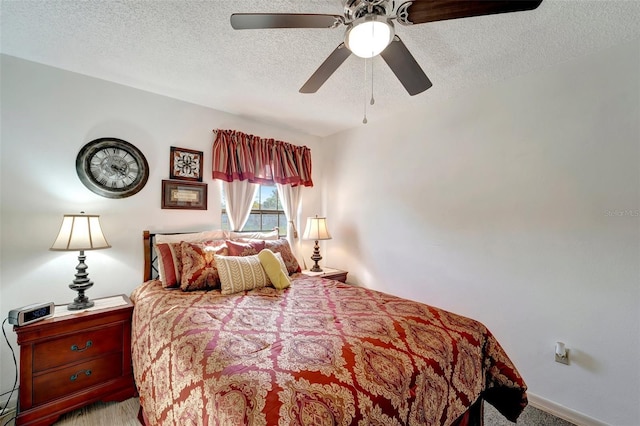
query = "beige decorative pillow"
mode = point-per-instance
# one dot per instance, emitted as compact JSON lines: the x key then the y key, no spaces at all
{"x":240,"y":273}
{"x":199,"y":270}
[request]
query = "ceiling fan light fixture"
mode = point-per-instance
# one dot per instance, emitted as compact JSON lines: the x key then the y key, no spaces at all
{"x":368,"y":36}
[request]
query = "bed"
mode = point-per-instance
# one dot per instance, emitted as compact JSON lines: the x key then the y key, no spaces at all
{"x":319,"y":352}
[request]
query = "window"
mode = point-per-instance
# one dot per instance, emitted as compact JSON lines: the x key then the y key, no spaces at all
{"x":266,"y":213}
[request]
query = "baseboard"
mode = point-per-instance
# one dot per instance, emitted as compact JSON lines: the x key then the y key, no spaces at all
{"x":562,"y":412}
{"x":10,"y":412}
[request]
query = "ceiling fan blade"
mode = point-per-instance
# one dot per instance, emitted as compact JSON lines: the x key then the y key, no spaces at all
{"x":328,"y":67}
{"x":249,"y":21}
{"x":422,"y":11}
{"x":405,"y":67}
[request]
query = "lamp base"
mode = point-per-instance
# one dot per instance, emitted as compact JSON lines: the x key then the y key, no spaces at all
{"x":316,"y":257}
{"x":81,"y":284}
{"x":80,"y":303}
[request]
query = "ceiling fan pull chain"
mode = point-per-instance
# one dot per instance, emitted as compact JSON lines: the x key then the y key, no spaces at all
{"x":364,"y":120}
{"x":373,"y":101}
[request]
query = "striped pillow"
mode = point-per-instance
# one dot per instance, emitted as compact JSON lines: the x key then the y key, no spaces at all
{"x":240,"y":273}
{"x":169,"y":264}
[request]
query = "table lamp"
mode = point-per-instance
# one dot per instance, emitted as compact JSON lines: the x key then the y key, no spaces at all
{"x":80,"y":232}
{"x":316,"y":230}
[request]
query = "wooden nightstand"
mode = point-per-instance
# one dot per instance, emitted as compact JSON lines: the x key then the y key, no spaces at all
{"x":328,"y":273}
{"x":72,"y":360}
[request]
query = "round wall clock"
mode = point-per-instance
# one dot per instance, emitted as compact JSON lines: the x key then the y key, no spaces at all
{"x":112,"y":168}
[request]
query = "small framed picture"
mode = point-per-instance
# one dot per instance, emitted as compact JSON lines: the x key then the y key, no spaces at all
{"x":184,"y":195}
{"x":186,"y":164}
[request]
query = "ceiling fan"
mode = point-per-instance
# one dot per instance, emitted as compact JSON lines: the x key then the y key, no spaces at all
{"x":370,"y":31}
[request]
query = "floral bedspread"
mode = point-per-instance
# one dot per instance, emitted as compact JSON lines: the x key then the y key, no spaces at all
{"x":318,"y":353}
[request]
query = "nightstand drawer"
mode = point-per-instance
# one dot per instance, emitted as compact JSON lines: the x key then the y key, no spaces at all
{"x":77,"y":377}
{"x":77,"y":347}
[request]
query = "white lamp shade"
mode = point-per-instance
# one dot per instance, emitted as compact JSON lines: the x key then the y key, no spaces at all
{"x":369,"y":36}
{"x":316,"y":229}
{"x":80,"y":232}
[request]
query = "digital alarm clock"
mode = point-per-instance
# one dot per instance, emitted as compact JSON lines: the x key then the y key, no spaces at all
{"x":31,"y":313}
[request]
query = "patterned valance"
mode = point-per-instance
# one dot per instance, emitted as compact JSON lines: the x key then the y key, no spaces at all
{"x":239,"y":156}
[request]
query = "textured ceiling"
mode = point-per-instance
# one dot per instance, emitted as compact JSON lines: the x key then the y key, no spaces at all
{"x":187,"y":50}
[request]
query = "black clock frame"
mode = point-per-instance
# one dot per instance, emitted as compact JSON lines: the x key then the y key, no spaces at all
{"x":83,"y":168}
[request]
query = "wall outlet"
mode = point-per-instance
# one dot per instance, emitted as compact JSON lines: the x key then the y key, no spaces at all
{"x":563,"y":359}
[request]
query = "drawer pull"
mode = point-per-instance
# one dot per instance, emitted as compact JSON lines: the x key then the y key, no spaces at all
{"x":86,"y":346}
{"x":75,"y":376}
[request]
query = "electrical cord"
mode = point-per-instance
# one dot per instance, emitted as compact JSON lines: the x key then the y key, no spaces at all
{"x":15,"y":382}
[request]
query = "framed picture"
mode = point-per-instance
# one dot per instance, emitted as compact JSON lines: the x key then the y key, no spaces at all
{"x":184,"y":195}
{"x":186,"y":164}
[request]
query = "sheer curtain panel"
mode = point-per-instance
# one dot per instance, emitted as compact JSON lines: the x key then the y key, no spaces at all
{"x":291,"y":198}
{"x":239,"y":196}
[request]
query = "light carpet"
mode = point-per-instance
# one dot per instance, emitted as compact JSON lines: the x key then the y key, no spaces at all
{"x":125,"y":414}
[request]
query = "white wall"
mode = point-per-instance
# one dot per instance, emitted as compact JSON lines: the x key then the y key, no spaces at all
{"x":517,"y":205}
{"x":47,"y":116}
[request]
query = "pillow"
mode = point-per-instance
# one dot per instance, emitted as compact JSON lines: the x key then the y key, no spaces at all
{"x":169,"y":264}
{"x":248,"y":248}
{"x":275,"y":268}
{"x":268,"y":235}
{"x":240,"y":273}
{"x":282,"y":246}
{"x":165,"y":253}
{"x":199,"y":271}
